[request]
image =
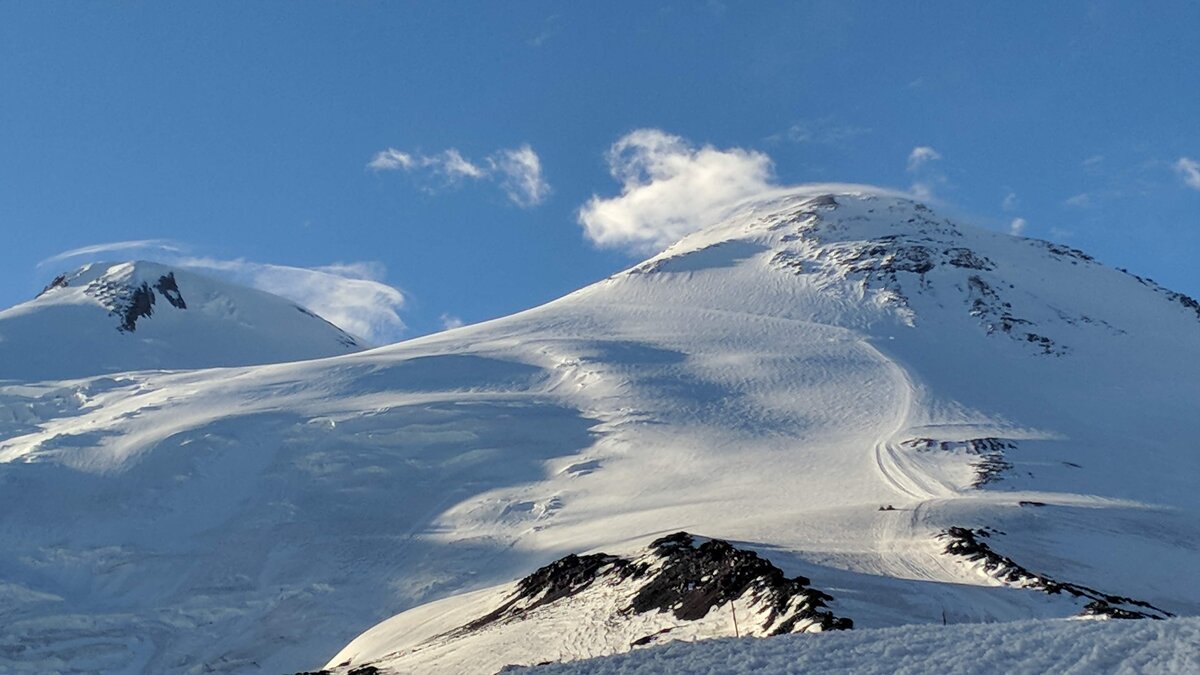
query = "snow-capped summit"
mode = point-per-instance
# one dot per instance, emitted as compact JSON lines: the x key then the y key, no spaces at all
{"x":116,"y":317}
{"x":905,"y":419}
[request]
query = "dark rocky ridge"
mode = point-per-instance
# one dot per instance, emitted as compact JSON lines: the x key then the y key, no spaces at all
{"x":130,"y":303}
{"x":681,"y":577}
{"x":989,"y":463}
{"x":127,"y":302}
{"x":694,"y":579}
{"x":965,"y":542}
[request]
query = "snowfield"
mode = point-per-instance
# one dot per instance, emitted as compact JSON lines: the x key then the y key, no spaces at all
{"x":775,"y":381}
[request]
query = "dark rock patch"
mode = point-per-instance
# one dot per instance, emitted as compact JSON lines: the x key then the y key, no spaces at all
{"x":1060,"y":251}
{"x":990,"y":463}
{"x":965,"y":542}
{"x":679,"y":576}
{"x":59,"y":281}
{"x":968,"y":259}
{"x":694,"y":579}
{"x":138,"y":303}
{"x":647,"y":639}
{"x":997,"y":317}
{"x":169,"y":290}
{"x":343,"y":337}
{"x":562,"y":578}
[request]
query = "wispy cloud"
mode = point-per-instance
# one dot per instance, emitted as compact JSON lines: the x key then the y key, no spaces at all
{"x":450,"y":321}
{"x":1189,"y":170}
{"x":669,"y":188}
{"x":1017,"y":226}
{"x":517,"y":170}
{"x":392,"y":159}
{"x":95,"y":251}
{"x":1093,"y":161}
{"x":1010,"y":201}
{"x":520,"y":171}
{"x":925,"y":177}
{"x":448,"y":163}
{"x":550,"y":28}
{"x":823,"y":130}
{"x":920,"y":156}
{"x":1079,"y":201}
{"x":922,"y":191}
{"x":352,"y":295}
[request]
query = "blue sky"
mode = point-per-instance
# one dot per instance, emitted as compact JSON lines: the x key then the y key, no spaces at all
{"x":242,"y":135}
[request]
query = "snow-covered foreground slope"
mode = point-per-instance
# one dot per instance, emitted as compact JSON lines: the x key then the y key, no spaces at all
{"x":772,"y":381}
{"x":1049,"y":646}
{"x":115,"y":317}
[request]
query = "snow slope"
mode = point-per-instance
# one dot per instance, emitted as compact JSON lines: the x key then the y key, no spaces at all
{"x":1050,"y":646}
{"x":115,"y":317}
{"x":772,"y":381}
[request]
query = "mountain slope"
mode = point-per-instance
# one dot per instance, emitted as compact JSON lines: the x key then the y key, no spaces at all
{"x":773,"y":381}
{"x":116,"y":317}
{"x":1164,"y":648}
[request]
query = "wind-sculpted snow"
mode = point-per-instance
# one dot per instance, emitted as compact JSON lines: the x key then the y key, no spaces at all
{"x":811,"y":378}
{"x":1118,"y":647}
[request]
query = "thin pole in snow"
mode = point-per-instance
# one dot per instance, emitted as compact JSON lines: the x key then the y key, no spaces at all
{"x":733,"y":610}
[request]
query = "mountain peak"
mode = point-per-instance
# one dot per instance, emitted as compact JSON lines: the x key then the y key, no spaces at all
{"x":878,"y":259}
{"x":128,"y":290}
{"x":113,"y":317}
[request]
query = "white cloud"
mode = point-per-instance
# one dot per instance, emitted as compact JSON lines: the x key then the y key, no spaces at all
{"x":92,"y":251}
{"x":517,"y":170}
{"x":1017,"y":226}
{"x":450,"y":321}
{"x":391,"y":159}
{"x":669,"y":188}
{"x":448,"y":163}
{"x":350,"y":295}
{"x":1093,"y":161}
{"x":1189,"y":170}
{"x":921,"y":155}
{"x":522,"y":180}
{"x":1010,"y":201}
{"x":451,"y":163}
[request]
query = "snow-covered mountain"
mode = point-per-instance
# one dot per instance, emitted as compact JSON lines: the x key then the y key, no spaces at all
{"x":770,"y":385}
{"x":116,"y":317}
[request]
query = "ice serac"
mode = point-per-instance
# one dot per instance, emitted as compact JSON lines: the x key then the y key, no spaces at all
{"x":116,"y":317}
{"x":909,"y":419}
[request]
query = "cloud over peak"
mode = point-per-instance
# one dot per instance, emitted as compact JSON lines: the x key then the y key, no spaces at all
{"x":351,"y":295}
{"x":518,"y":171}
{"x":669,"y":188}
